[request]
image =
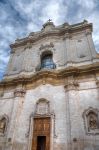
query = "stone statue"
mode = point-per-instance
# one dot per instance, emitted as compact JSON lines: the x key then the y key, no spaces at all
{"x":92,"y":122}
{"x":2,"y":125}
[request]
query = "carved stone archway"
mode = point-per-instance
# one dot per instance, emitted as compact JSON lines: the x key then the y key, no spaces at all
{"x":46,"y":116}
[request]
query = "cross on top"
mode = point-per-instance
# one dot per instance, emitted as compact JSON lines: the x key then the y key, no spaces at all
{"x":49,"y":20}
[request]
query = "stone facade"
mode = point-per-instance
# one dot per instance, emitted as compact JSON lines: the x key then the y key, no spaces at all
{"x":68,"y":93}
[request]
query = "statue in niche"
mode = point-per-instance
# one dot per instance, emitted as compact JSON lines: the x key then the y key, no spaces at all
{"x":2,"y":125}
{"x":93,"y":121}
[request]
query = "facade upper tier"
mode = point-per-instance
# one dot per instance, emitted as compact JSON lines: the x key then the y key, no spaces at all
{"x":53,"y":49}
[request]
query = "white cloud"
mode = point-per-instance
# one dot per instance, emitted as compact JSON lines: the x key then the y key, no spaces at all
{"x":54,"y":10}
{"x":51,"y":11}
{"x":25,"y":9}
{"x":89,"y":4}
{"x":32,"y":27}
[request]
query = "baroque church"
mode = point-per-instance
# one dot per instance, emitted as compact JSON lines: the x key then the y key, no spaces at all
{"x":49,"y":95}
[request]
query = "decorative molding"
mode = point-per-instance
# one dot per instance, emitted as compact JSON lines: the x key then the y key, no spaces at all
{"x":46,"y":113}
{"x":57,"y":31}
{"x":71,"y":85}
{"x":42,"y":107}
{"x":47,"y":46}
{"x":52,"y":76}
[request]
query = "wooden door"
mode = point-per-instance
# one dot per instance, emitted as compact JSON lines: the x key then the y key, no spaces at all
{"x":41,"y":134}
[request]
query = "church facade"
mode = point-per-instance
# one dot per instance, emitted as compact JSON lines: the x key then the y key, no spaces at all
{"x":49,"y":95}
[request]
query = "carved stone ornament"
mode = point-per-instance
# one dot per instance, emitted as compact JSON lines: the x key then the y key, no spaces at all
{"x":19,"y":93}
{"x":42,"y":107}
{"x":91,"y":121}
{"x":71,"y":85}
{"x":3,"y":124}
{"x":47,"y":46}
{"x":28,"y":45}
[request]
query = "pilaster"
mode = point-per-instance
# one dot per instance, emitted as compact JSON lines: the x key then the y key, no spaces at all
{"x":67,"y":54}
{"x":72,"y":111}
{"x":18,"y":100}
{"x":90,"y":44}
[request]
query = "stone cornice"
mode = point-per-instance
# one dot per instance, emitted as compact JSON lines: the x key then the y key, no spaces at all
{"x":52,"y":75}
{"x":56,"y":31}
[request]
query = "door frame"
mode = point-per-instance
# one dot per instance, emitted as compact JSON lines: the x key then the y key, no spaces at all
{"x":52,"y":129}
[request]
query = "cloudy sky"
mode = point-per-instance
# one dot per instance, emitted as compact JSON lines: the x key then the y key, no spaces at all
{"x":20,"y":17}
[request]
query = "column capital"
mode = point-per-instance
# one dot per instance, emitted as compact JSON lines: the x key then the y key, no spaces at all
{"x":67,"y":36}
{"x":71,"y":86}
{"x":19,"y":92}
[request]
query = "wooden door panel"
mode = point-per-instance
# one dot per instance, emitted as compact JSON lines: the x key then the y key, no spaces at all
{"x":41,"y":128}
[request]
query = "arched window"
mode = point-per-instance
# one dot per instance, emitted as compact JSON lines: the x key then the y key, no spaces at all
{"x":47,"y":61}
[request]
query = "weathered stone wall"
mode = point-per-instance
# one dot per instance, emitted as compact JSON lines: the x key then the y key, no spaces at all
{"x":68,"y":105}
{"x":75,"y":50}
